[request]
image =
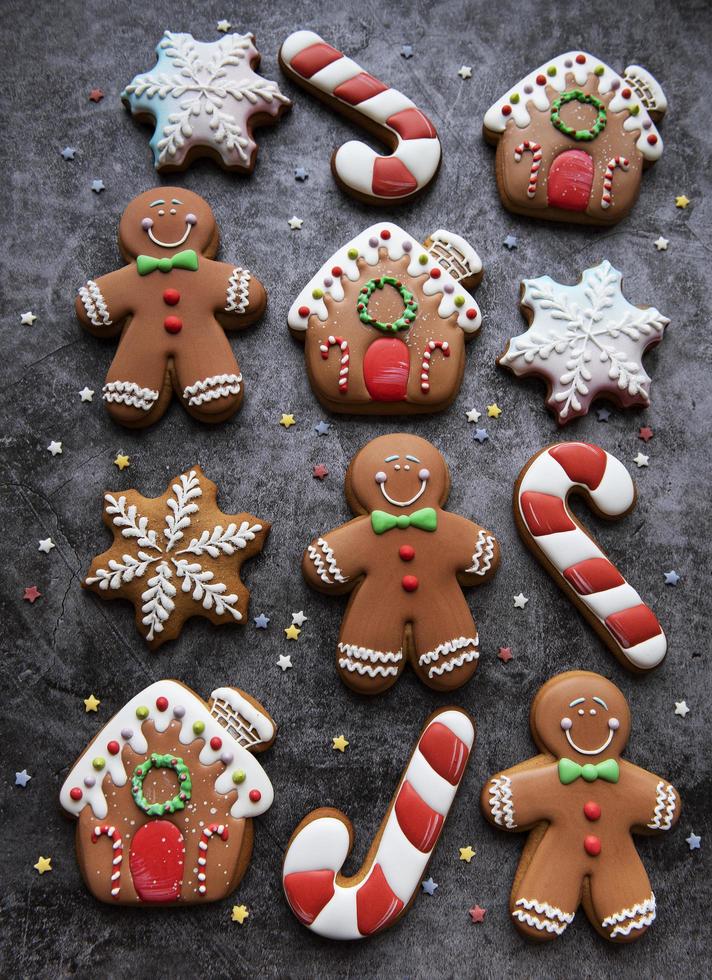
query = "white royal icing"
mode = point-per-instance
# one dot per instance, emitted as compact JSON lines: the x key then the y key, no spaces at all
{"x":95,"y":304}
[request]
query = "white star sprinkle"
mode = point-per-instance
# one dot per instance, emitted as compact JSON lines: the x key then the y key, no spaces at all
{"x":520,"y":601}
{"x":465,"y":72}
{"x":86,"y":394}
{"x":298,"y":618}
{"x":224,"y":26}
{"x":55,"y":448}
{"x":473,"y":415}
{"x":641,"y":460}
{"x":285,"y":662}
{"x":661,"y":244}
{"x":27,"y":319}
{"x":46,"y":545}
{"x":295,"y":223}
{"x":681,"y":708}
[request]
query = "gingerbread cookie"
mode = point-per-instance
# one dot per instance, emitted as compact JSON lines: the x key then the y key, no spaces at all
{"x":203,"y":99}
{"x":404,"y":560}
{"x":558,"y":540}
{"x":386,"y":885}
{"x":390,"y":116}
{"x":176,"y":556}
{"x":385,"y":321}
{"x":171,"y":304}
{"x":165,"y":794}
{"x":580,"y":801}
{"x":573,"y":139}
{"x":586,"y":342}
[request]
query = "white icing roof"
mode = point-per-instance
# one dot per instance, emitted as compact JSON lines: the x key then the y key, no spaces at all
{"x":556,"y":71}
{"x":399,"y":243}
{"x":186,"y":707}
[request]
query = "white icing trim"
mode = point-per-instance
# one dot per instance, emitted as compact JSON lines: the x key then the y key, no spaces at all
{"x":130,"y":393}
{"x":472,"y":261}
{"x":238,"y":290}
{"x":665,"y":804}
{"x":454,"y":664}
{"x":450,"y":646}
{"x":551,"y":911}
{"x":229,"y":384}
{"x":260,"y":728}
{"x":374,"y":656}
{"x":355,"y":666}
{"x":642,"y":915}
{"x":484,"y":551}
{"x":334,"y":573}
{"x":501,"y":802}
{"x":95,"y":304}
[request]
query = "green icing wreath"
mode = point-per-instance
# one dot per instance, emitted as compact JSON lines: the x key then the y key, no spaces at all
{"x":161,"y":762}
{"x":579,"y":134}
{"x":410,"y":305}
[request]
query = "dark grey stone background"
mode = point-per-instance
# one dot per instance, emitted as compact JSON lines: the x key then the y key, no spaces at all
{"x":57,"y":233}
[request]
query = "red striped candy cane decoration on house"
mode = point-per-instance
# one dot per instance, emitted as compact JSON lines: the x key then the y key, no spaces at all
{"x":352,"y":908}
{"x":339,"y":342}
{"x":624,"y":622}
{"x":529,"y":146}
{"x":221,"y":831}
{"x":117,"y":845}
{"x":342,"y":83}
{"x":613,"y":163}
{"x":427,"y":355}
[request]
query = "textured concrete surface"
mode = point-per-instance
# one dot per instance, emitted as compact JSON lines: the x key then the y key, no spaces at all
{"x":68,"y":644}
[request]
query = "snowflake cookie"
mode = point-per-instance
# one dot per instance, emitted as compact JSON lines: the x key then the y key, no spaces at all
{"x":204,"y":97}
{"x":176,"y":556}
{"x":585,"y":341}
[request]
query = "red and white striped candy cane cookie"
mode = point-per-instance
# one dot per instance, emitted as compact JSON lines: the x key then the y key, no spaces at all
{"x":343,"y":84}
{"x":377,"y":896}
{"x":213,"y":829}
{"x":607,"y":196}
{"x":529,"y":146}
{"x":545,"y":522}
{"x":427,"y":355}
{"x":117,"y":846}
{"x":343,"y":345}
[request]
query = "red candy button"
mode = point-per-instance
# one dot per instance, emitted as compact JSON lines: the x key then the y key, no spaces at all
{"x":215,"y":743}
{"x":409,"y":583}
{"x":75,"y":793}
{"x":304,"y":311}
{"x":173,"y":324}
{"x":171,"y":296}
{"x":255,"y":795}
{"x":114,"y":748}
{"x":592,"y":845}
{"x":337,"y":271}
{"x":592,"y":810}
{"x":406,"y":552}
{"x":161,"y":703}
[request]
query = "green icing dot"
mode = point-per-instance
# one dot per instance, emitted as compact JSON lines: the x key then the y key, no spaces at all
{"x":142,"y":712}
{"x":99,"y":762}
{"x":551,"y":71}
{"x":239,"y":776}
{"x":459,"y":301}
{"x":423,"y":259}
{"x":317,"y":293}
{"x":514,"y":98}
{"x":198,"y":727}
{"x":598,"y":70}
{"x":352,"y":253}
{"x":634,"y":110}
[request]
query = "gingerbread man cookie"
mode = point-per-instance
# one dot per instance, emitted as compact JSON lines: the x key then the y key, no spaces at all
{"x":573,"y":139}
{"x":165,"y":794}
{"x":171,"y":304}
{"x":404,"y":560}
{"x":580,"y":800}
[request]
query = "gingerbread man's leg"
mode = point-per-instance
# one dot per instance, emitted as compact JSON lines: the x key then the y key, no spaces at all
{"x":137,"y":390}
{"x":445,"y":643}
{"x":369,"y":654}
{"x":619,"y":901}
{"x":546,"y":895}
{"x":207,"y":376}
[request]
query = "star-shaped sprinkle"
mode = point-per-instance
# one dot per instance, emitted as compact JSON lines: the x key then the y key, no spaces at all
{"x":493,"y":411}
{"x":239,"y":914}
{"x":694,"y":841}
{"x":322,"y":428}
{"x":641,"y":460}
{"x":603,"y":414}
{"x":285,"y":661}
{"x":68,"y":152}
{"x":43,"y":864}
{"x":520,"y":601}
{"x":22,"y":778}
{"x":98,"y":186}
{"x":261,"y":621}
{"x":287,"y":420}
{"x":481,"y":435}
{"x":681,"y":709}
{"x":295,"y":223}
{"x":473,"y":415}
{"x":505,"y":654}
{"x":55,"y":448}
{"x":96,"y":95}
{"x":27,"y":319}
{"x":292,"y":632}
{"x":671,"y":577}
{"x":429,"y":886}
{"x":300,"y":173}
{"x":465,"y":72}
{"x":510,"y":242}
{"x":224,"y":26}
{"x":31,"y":594}
{"x":86,"y":394}
{"x":467,"y":853}
{"x":339,"y":743}
{"x":406,"y":51}
{"x":121,"y":461}
{"x":46,"y":545}
{"x":681,"y":201}
{"x":298,"y":618}
{"x":91,"y":703}
{"x":661,"y":244}
{"x":320,"y":472}
{"x":477,"y":913}
{"x":645,"y":433}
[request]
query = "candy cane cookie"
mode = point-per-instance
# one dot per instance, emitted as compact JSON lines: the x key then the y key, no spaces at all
{"x":546,"y":524}
{"x":342,"y":84}
{"x":381,"y":892}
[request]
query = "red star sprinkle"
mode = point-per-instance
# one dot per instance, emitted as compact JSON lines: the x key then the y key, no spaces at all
{"x":96,"y":95}
{"x":477,"y":914}
{"x":646,"y":433}
{"x":320,"y":471}
{"x":505,"y":654}
{"x":32,"y":593}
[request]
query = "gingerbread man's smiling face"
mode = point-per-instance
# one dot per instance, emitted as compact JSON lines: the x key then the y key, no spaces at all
{"x":398,"y":473}
{"x":166,"y":220}
{"x":582,"y":716}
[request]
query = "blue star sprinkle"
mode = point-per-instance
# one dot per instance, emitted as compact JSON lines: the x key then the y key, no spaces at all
{"x":322,"y":428}
{"x":481,"y":435}
{"x":429,"y":886}
{"x":97,"y":186}
{"x":603,"y":414}
{"x":671,"y":577}
{"x":300,"y":173}
{"x":68,"y":152}
{"x":261,"y":621}
{"x":407,"y":51}
{"x":510,"y":242}
{"x":22,"y":778}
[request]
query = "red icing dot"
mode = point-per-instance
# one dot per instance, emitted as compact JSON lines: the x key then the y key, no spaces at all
{"x":580,"y":59}
{"x":406,"y":552}
{"x":255,"y":795}
{"x":435,"y":273}
{"x":114,"y":748}
{"x":410,"y":583}
{"x":592,"y":810}
{"x":215,"y":743}
{"x":161,"y":703}
{"x":626,"y":93}
{"x":173,"y":324}
{"x":337,"y":271}
{"x":541,"y":79}
{"x":652,"y":139}
{"x":592,"y":845}
{"x":75,"y":793}
{"x":304,"y":311}
{"x":171,"y":296}
{"x":506,"y":110}
{"x":385,"y":234}
{"x":471,"y":314}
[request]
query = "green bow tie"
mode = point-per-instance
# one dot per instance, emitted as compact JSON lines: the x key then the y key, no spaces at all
{"x":426,"y":519}
{"x":187,"y":259}
{"x":569,"y":771}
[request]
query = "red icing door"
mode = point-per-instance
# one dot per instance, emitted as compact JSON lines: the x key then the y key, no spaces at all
{"x":570,"y":181}
{"x":386,"y":365}
{"x":157,"y":861}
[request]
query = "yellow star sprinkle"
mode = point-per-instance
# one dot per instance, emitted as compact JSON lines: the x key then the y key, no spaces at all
{"x":239,"y":914}
{"x":494,"y":411}
{"x":292,"y":632}
{"x":44,"y":864}
{"x":467,"y":853}
{"x":91,"y":703}
{"x":287,"y":420}
{"x":339,"y":742}
{"x":682,"y":201}
{"x":122,"y":461}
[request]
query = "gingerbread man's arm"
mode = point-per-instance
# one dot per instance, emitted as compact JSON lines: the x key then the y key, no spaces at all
{"x":333,"y":562}
{"x":476,"y":551}
{"x":103,"y":304}
{"x":653,"y":803}
{"x":519,"y":797}
{"x":239,"y":298}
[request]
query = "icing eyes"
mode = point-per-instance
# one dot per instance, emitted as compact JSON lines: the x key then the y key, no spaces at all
{"x":424,"y":474}
{"x":592,"y":711}
{"x":566,"y":723}
{"x":397,"y":466}
{"x":380,"y":477}
{"x":147,"y":223}
{"x":581,"y":711}
{"x":173,"y":211}
{"x":614,"y":724}
{"x":190,"y":219}
{"x":161,"y":212}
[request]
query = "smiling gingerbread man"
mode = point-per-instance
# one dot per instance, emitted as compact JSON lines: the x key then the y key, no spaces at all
{"x":404,"y":560}
{"x":581,"y":801}
{"x":171,"y":304}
